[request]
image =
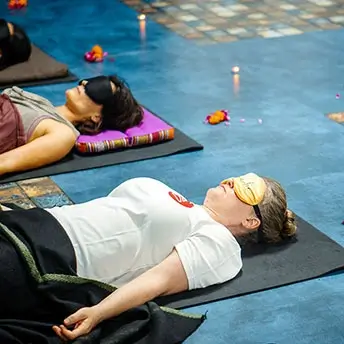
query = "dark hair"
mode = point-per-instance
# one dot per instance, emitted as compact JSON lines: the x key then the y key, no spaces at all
{"x":122,"y":113}
{"x":20,"y":45}
{"x":15,"y":48}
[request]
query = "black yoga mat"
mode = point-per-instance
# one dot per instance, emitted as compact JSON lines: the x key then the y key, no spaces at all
{"x":313,"y":255}
{"x":76,"y":162}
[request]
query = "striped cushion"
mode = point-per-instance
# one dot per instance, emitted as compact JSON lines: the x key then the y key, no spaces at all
{"x":151,"y":130}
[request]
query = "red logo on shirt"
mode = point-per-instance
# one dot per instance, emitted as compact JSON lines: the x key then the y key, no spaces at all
{"x":181,"y":200}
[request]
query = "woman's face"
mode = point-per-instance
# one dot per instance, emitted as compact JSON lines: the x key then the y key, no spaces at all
{"x":224,"y":203}
{"x":81,"y":104}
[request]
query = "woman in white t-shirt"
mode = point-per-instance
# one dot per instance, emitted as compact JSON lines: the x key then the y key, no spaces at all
{"x":148,"y":240}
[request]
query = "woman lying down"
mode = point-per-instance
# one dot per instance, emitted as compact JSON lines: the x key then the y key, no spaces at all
{"x":36,"y":133}
{"x":148,"y":240}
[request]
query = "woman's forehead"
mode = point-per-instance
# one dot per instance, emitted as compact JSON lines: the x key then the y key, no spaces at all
{"x":250,"y":188}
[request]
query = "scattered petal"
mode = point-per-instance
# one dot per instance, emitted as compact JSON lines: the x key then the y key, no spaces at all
{"x":260,"y":121}
{"x":337,"y":96}
{"x":242,"y":120}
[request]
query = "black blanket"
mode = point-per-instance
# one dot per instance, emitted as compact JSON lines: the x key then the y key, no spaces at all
{"x":39,"y":288}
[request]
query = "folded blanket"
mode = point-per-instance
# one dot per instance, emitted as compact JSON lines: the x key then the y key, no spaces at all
{"x":39,"y":288}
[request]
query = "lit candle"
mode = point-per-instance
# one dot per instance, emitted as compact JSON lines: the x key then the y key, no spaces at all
{"x":235,"y":70}
{"x":142,"y":17}
{"x":143,"y":30}
{"x":236,"y":84}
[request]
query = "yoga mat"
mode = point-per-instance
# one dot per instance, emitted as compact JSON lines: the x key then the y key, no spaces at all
{"x":40,"y":69}
{"x":75,"y":162}
{"x":313,"y":255}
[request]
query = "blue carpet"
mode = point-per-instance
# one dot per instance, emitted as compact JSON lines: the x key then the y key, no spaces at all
{"x":289,"y":83}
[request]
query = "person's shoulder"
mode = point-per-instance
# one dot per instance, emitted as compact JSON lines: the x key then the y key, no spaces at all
{"x":214,"y":231}
{"x":23,"y":96}
{"x":51,"y":126}
{"x":9,"y":91}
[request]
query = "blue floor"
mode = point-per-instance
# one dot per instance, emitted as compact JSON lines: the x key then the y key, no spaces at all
{"x":289,"y":83}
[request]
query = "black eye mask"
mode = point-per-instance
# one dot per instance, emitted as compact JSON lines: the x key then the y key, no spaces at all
{"x":99,"y":89}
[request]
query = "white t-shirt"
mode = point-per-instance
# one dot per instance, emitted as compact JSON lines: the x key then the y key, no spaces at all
{"x":118,"y":237}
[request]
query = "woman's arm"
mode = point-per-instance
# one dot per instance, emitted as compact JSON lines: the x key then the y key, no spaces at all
{"x":168,"y":277}
{"x":56,"y":142}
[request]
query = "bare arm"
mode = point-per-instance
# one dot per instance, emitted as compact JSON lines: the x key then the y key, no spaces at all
{"x":166,"y":278}
{"x":55,"y":143}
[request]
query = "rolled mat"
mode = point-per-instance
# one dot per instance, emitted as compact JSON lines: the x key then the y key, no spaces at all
{"x":312,"y":255}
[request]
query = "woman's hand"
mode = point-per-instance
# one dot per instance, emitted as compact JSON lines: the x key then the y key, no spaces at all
{"x":82,"y":322}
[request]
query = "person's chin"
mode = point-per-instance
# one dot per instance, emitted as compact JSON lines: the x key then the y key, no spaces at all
{"x":70,"y":93}
{"x":211,"y":193}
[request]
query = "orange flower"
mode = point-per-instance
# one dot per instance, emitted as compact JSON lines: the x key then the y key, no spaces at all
{"x":217,"y":117}
{"x":97,"y":51}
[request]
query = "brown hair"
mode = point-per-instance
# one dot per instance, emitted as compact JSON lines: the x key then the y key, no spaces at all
{"x":278,"y":222}
{"x":123,"y":113}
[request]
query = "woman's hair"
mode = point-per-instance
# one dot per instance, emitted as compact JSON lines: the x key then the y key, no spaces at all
{"x":278,"y":222}
{"x":122,"y":113}
{"x":16,"y":47}
{"x":20,"y":45}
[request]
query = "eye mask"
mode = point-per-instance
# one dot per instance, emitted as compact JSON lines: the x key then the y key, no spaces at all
{"x":249,"y":188}
{"x":99,"y":89}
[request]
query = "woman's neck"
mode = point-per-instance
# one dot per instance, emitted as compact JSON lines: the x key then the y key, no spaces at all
{"x":235,"y":230}
{"x":211,"y":213}
{"x":66,"y":113}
